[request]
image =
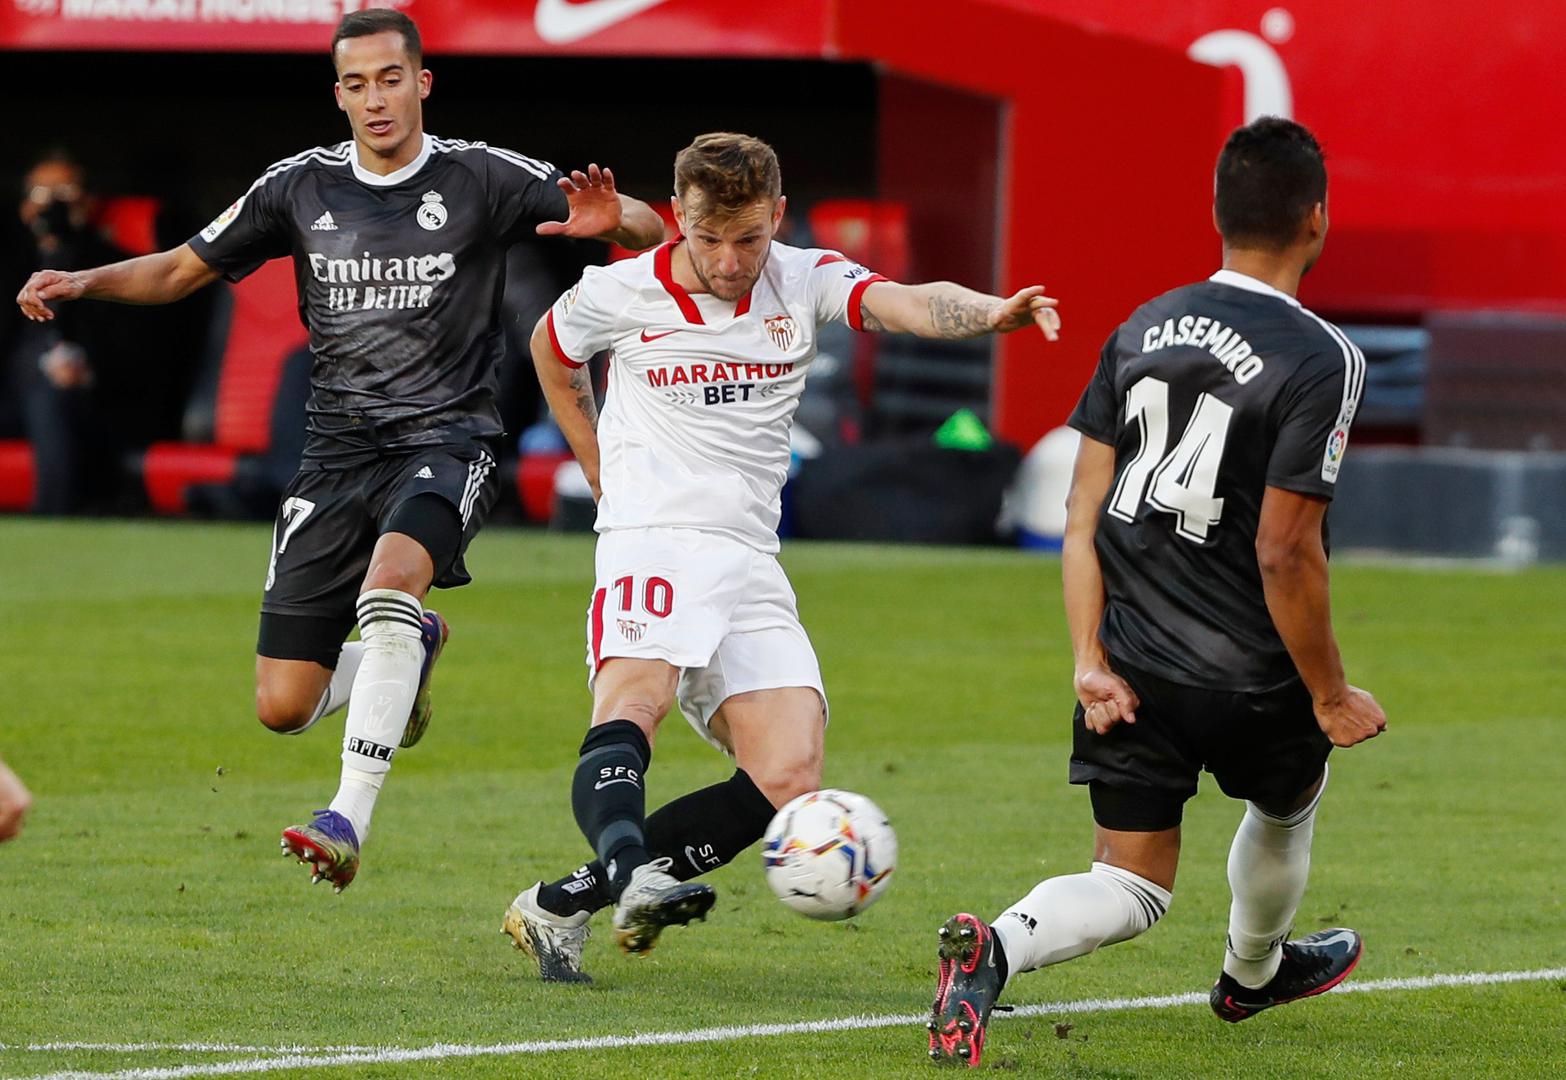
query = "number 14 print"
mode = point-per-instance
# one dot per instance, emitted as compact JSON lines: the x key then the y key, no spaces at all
{"x":1182,"y":483}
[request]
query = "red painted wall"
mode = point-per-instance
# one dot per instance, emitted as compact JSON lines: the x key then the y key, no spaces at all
{"x":1109,"y":146}
{"x":1448,"y":181}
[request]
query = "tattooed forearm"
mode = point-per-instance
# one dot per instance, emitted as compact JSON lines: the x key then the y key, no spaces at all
{"x":962,"y":314}
{"x":868,"y":320}
{"x":582,"y":386}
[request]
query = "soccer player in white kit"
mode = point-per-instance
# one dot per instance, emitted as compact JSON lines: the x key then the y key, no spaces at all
{"x":712,"y":336}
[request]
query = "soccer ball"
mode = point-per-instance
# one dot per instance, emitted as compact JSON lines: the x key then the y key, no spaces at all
{"x":829,"y":854}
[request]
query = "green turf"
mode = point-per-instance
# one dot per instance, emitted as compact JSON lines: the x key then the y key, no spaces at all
{"x":147,"y":900}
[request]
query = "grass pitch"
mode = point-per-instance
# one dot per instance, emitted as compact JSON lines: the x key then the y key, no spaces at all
{"x":147,"y":902}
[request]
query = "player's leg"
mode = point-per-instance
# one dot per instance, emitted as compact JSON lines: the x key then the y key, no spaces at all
{"x":608,"y":798}
{"x":699,"y":831}
{"x":762,"y":701}
{"x":1272,"y":754}
{"x":321,"y":546}
{"x":320,"y":542}
{"x":777,"y":737}
{"x":426,"y":507}
{"x":1126,"y":890}
{"x":662,"y":603}
{"x":1139,"y":777}
{"x":291,"y":695}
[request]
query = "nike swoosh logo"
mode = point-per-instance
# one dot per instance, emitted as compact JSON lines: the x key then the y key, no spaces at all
{"x":561,"y":22}
{"x":605,"y":783}
{"x":654,"y":337}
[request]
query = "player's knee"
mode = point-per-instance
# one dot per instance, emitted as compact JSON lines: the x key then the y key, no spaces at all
{"x":643,"y":711}
{"x":787,"y":776}
{"x":281,"y":712}
{"x":398,"y":574}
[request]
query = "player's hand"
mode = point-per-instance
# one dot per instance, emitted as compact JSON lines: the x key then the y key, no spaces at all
{"x":1353,"y":718}
{"x":14,"y":801}
{"x":1106,"y":699}
{"x":45,"y":286}
{"x":594,"y":205}
{"x":1030,"y":307}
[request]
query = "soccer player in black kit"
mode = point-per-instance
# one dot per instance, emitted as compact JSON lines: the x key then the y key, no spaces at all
{"x":399,"y":242}
{"x":1195,"y":579}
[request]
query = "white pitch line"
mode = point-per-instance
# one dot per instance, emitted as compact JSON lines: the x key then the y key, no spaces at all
{"x":181,"y":1047}
{"x":440,"y":1051}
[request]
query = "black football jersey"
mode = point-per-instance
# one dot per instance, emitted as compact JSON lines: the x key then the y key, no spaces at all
{"x":400,"y":280}
{"x":1210,"y":394}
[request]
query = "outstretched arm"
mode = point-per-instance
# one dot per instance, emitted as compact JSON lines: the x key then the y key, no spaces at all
{"x":1106,"y":698}
{"x":160,"y":278}
{"x":598,"y":211}
{"x":944,"y":310}
{"x":569,"y":391}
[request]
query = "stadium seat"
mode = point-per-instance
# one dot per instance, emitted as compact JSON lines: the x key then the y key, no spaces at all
{"x":867,"y":231}
{"x":16,"y":475}
{"x":875,"y":234}
{"x":130,"y":222}
{"x":263,"y":329}
{"x":536,"y":484}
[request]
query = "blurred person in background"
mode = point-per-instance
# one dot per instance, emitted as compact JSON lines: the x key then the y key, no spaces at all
{"x":14,"y":803}
{"x":57,"y":371}
{"x":399,"y":241}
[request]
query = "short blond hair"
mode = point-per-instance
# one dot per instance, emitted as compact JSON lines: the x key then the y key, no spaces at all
{"x":729,"y":171}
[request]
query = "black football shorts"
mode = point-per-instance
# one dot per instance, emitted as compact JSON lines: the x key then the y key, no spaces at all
{"x":327,"y":526}
{"x":1264,"y":747}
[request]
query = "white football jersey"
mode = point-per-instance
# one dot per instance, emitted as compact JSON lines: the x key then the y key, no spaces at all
{"x":694,"y":431}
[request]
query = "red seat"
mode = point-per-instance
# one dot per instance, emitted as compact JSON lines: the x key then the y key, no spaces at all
{"x":536,"y":484}
{"x":130,"y":222}
{"x":874,"y":234}
{"x":869,"y":232}
{"x":264,"y":328}
{"x":16,"y":475}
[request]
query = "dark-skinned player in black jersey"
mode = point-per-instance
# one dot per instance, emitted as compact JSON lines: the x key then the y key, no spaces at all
{"x":399,"y":241}
{"x":1195,"y":579}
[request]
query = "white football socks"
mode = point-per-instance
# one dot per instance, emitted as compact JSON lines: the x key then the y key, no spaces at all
{"x":381,"y":699}
{"x":1070,"y":916}
{"x":1269,"y":863}
{"x":335,"y":696}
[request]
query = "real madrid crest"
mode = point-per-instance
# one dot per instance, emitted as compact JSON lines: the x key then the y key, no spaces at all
{"x":781,"y":329}
{"x":432,"y":212}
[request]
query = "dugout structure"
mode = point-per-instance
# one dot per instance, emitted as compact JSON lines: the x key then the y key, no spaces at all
{"x":1025,"y":149}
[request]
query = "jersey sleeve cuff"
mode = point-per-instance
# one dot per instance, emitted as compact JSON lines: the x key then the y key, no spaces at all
{"x":554,"y":340}
{"x":856,"y":298}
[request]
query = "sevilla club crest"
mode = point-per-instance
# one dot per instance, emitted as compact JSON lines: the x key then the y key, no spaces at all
{"x":781,"y":329}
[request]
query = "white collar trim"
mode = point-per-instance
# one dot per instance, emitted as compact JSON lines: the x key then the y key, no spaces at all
{"x":397,"y":177}
{"x":1250,"y":284}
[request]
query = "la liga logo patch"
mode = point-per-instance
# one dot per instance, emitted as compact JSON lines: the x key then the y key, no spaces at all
{"x":1337,"y":442}
{"x":222,"y":221}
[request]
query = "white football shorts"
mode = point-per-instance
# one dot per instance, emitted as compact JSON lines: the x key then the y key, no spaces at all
{"x":721,"y":611}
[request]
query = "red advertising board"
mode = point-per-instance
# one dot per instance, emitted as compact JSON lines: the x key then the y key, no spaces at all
{"x":475,"y":27}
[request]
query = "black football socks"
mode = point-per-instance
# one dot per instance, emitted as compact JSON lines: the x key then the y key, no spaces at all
{"x":700,"y":831}
{"x":609,"y":798}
